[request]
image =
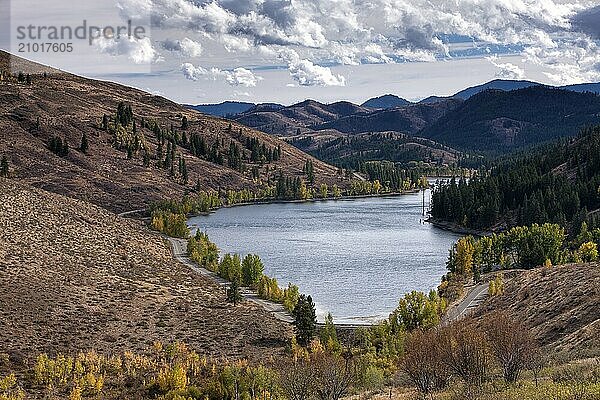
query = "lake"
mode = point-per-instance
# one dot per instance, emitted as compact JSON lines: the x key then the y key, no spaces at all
{"x":356,"y":258}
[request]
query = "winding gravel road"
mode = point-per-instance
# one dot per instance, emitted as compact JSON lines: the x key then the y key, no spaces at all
{"x":180,"y":253}
{"x":475,"y":296}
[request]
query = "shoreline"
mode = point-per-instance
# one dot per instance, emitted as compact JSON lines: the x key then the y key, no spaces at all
{"x":300,"y":201}
{"x":321,"y":199}
{"x":455,"y":228}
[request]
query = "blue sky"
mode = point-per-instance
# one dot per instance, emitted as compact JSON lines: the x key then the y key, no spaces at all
{"x":204,"y":51}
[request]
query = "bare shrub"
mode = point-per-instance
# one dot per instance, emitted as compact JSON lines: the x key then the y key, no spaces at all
{"x":465,"y":351}
{"x":423,"y":362}
{"x":297,"y":380}
{"x":332,"y":374}
{"x":511,"y":343}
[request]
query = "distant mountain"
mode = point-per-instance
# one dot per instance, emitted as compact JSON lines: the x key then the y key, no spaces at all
{"x":227,"y":108}
{"x":500,"y":121}
{"x":498,"y":84}
{"x":433,"y":99}
{"x":345,"y":133}
{"x":349,"y":150}
{"x":508,"y":85}
{"x":409,"y":119}
{"x":498,"y":116}
{"x":584,"y":87}
{"x":287,"y":120}
{"x":385,"y":101}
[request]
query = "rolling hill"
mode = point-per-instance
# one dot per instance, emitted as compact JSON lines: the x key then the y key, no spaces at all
{"x":75,"y":276}
{"x":500,"y":121}
{"x":385,"y":101}
{"x":568,"y":323}
{"x":227,"y":108}
{"x":303,"y":116}
{"x":498,"y":84}
{"x":348,"y":150}
{"x":409,"y":119}
{"x":120,"y":171}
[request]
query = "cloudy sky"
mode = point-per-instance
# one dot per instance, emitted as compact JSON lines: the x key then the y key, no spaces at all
{"x":204,"y":51}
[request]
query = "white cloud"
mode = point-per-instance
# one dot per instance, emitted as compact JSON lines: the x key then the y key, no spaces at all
{"x":308,"y":74}
{"x":237,"y":77}
{"x":140,"y":51}
{"x":235,"y":43}
{"x":192,"y":72}
{"x":186,"y":47}
{"x":241,"y":77}
{"x":383,"y":31}
{"x":507,"y":70}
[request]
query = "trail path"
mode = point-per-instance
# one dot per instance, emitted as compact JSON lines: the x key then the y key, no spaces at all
{"x":180,"y":253}
{"x":475,"y":296}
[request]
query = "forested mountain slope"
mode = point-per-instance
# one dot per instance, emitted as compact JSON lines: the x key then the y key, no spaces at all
{"x":224,"y":109}
{"x":497,"y":84}
{"x":498,"y":121}
{"x":557,"y":183}
{"x":127,"y":162}
{"x":349,"y":151}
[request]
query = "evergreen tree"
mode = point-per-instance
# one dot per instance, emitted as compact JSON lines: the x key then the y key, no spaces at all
{"x":184,"y":172}
{"x":305,"y":320}
{"x":328,"y":335}
{"x":4,"y":167}
{"x":234,"y":295}
{"x":309,"y":171}
{"x":84,"y":144}
{"x":184,"y":123}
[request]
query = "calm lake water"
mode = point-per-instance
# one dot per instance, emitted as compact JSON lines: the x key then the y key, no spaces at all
{"x":356,"y":258}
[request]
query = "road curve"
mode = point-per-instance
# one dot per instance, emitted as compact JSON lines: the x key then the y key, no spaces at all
{"x":474,"y":297}
{"x":179,"y":247}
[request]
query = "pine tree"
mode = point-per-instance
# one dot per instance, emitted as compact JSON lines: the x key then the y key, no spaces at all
{"x":184,"y":123}
{"x":184,"y":172}
{"x":234,"y":295}
{"x":4,"y":167}
{"x":305,"y":320}
{"x":84,"y":144}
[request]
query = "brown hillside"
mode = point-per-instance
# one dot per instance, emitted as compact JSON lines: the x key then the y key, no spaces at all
{"x":74,"y":276}
{"x":68,"y":105}
{"x":560,"y":304}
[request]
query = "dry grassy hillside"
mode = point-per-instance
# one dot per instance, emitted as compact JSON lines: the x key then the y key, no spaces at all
{"x":559,"y":304}
{"x":75,"y":276}
{"x":68,"y":105}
